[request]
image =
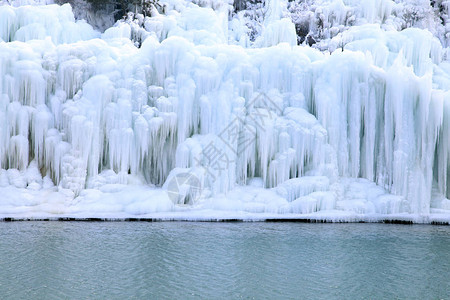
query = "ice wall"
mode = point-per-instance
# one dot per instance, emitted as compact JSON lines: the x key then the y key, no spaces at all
{"x":88,"y":110}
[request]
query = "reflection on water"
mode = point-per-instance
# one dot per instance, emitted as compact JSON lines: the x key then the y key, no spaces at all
{"x":223,"y":260}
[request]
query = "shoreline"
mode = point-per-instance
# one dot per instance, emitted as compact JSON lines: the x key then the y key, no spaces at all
{"x":404,"y":220}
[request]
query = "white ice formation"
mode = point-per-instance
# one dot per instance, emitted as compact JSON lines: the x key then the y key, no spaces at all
{"x":90,"y":124}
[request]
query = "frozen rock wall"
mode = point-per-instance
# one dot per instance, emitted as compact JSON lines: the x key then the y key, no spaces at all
{"x":85,"y":110}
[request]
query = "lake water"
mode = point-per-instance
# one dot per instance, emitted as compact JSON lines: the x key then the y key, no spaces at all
{"x":183,"y":260}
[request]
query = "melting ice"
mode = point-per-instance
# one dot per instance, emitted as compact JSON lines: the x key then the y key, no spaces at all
{"x":93,"y":125}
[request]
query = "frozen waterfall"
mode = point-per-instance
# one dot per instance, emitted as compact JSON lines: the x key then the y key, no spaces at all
{"x":92,"y":125}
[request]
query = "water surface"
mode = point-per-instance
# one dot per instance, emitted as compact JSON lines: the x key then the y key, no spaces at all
{"x":184,"y":260}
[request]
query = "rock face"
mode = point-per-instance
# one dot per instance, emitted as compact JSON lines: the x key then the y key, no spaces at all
{"x":102,"y":14}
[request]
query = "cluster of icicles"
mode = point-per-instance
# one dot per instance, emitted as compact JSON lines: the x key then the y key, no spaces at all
{"x":77,"y":104}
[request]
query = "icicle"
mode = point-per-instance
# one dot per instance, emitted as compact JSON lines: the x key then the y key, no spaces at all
{"x":30,"y":86}
{"x":71,"y":76}
{"x":40,"y":124}
{"x":18,"y":152}
{"x":8,"y":23}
